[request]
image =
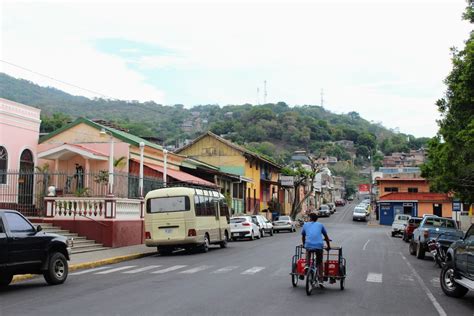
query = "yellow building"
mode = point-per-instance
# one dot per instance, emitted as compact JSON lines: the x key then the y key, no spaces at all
{"x":259,"y":184}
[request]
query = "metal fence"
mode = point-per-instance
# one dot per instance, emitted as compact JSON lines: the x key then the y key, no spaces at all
{"x":25,"y":190}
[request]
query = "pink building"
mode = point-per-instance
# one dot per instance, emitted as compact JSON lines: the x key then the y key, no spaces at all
{"x":19,"y":133}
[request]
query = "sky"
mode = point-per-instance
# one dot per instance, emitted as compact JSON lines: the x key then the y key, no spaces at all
{"x":384,"y":59}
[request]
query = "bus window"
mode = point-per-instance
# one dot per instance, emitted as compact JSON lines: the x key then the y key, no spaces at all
{"x":168,"y":204}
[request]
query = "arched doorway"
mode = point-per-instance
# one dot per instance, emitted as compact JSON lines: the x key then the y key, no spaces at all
{"x":26,"y":178}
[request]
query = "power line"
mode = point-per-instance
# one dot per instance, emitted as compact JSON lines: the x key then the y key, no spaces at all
{"x":58,"y":80}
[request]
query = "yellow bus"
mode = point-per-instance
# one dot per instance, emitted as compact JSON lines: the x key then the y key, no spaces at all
{"x":186,"y":218}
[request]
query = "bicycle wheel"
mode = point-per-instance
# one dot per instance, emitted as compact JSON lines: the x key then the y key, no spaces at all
{"x":309,"y":281}
{"x":294,"y":276}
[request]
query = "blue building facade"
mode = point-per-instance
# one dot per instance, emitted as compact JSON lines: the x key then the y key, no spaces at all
{"x":388,"y":210}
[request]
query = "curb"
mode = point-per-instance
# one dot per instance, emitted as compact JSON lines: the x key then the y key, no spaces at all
{"x":91,"y":264}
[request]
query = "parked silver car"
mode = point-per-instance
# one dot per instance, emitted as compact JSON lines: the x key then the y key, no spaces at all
{"x":325,"y":210}
{"x":284,"y":223}
{"x":266,"y":227}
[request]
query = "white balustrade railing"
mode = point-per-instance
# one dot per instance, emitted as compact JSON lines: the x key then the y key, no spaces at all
{"x":93,"y":208}
{"x":67,"y":208}
{"x":128,"y":209}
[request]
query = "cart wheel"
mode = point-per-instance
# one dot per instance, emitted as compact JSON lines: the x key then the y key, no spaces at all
{"x":342,"y":283}
{"x":294,"y":276}
{"x":309,"y":282}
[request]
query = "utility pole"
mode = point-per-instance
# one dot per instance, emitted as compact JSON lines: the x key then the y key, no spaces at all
{"x":265,"y":92}
{"x":258,"y":96}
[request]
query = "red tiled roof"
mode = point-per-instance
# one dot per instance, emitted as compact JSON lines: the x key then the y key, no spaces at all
{"x":419,"y":196}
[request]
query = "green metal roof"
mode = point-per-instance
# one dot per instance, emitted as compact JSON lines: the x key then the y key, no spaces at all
{"x":124,"y":136}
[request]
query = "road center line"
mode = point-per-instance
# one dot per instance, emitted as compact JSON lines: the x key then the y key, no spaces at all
{"x":430,"y":295}
{"x":374,"y":277}
{"x":365,"y":245}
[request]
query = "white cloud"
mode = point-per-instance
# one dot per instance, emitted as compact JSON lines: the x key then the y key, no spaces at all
{"x":384,"y":59}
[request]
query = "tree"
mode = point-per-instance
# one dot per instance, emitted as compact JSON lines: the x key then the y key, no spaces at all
{"x":450,"y":165}
{"x":56,"y":121}
{"x":302,"y":176}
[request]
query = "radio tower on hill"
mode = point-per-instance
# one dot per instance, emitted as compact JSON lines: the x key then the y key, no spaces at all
{"x":265,"y":92}
{"x":322,"y":97}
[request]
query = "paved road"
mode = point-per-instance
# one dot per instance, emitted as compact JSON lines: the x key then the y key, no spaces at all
{"x":250,"y":278}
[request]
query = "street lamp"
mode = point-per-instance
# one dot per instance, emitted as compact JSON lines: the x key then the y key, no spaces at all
{"x":104,"y":132}
{"x":165,"y":166}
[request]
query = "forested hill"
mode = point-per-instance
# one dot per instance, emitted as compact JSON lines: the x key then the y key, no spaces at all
{"x":272,"y":129}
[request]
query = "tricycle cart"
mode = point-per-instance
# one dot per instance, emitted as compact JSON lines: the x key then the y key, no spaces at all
{"x":334,"y":268}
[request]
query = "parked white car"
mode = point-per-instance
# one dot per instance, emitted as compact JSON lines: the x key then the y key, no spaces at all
{"x":284,"y":223}
{"x":266,"y":227}
{"x":244,"y":227}
{"x":399,"y":223}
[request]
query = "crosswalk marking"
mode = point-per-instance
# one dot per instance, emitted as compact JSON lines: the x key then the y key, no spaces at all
{"x":88,"y":271}
{"x":197,"y":269}
{"x":141,"y":269}
{"x":173,"y":268}
{"x":253,"y":270}
{"x":115,"y":270}
{"x":225,"y":269}
{"x":374,"y":277}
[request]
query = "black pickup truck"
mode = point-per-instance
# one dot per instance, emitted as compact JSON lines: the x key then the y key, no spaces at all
{"x":25,"y":249}
{"x":457,"y":275}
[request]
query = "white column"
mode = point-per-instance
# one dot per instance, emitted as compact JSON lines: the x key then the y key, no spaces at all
{"x":165,"y":167}
{"x":140,"y":185}
{"x":111,"y":166}
{"x":56,"y":171}
{"x":87,"y":173}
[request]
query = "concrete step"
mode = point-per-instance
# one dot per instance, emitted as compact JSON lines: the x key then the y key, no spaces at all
{"x":83,"y":240}
{"x":81,"y":250}
{"x":81,"y":243}
{"x":86,"y":245}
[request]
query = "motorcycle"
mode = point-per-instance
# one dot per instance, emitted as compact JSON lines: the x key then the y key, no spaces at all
{"x":437,"y":251}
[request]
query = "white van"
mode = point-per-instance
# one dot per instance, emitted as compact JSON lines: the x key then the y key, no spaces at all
{"x":185,"y":217}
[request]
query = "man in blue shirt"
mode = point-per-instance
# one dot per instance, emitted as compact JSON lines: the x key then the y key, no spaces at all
{"x":312,"y":237}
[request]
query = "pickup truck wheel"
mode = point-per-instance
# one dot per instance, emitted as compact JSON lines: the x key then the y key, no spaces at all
{"x":57,"y":269}
{"x":5,"y":280}
{"x":448,"y":285}
{"x":420,"y":251}
{"x":411,"y":248}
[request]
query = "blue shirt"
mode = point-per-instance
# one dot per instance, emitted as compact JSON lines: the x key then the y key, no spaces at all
{"x":313,"y":232}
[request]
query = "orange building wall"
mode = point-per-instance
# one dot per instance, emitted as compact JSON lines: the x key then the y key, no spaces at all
{"x":403,"y":186}
{"x":427,"y":208}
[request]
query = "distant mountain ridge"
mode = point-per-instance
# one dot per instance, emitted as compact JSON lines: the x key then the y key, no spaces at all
{"x":273,"y":129}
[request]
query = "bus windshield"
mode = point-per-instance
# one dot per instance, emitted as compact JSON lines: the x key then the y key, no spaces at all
{"x":168,"y":204}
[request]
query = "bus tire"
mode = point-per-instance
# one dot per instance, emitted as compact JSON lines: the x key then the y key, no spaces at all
{"x":205,"y":245}
{"x":223,"y":243}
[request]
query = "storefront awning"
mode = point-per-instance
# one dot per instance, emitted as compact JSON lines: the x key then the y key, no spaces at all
{"x":178,"y":175}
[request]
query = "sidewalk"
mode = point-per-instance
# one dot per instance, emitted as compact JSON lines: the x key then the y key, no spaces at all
{"x":373,"y":222}
{"x":99,"y":258}
{"x":80,"y":259}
